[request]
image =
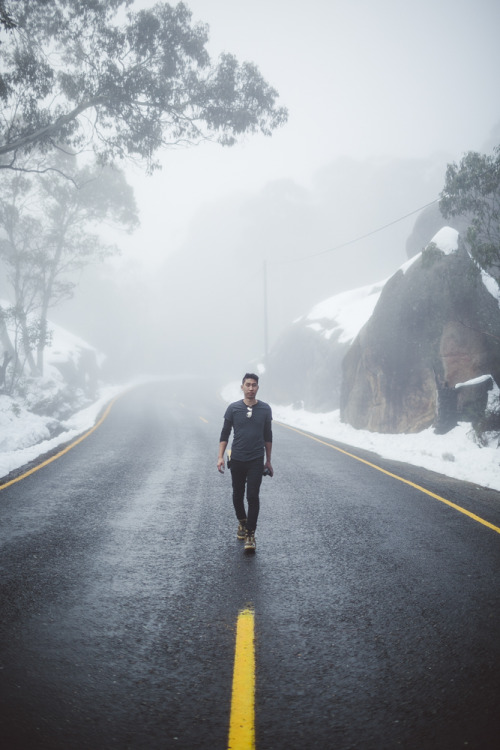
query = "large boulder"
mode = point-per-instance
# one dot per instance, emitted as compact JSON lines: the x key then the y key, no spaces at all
{"x":304,"y":367}
{"x":436,"y":324}
{"x":428,"y":223}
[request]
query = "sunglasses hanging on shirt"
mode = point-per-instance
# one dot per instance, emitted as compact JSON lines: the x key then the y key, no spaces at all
{"x":249,"y":411}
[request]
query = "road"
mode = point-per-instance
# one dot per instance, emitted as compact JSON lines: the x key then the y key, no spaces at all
{"x":376,"y":605}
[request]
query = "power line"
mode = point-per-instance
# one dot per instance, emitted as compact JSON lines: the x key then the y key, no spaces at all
{"x":492,"y":168}
{"x":362,"y":237}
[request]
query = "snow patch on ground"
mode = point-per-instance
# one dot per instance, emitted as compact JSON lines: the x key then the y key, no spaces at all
{"x":454,"y":454}
{"x":26,"y":436}
{"x":446,"y":240}
{"x":345,"y":313}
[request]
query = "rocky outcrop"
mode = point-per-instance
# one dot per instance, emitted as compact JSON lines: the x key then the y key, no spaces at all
{"x":427,"y":225}
{"x":434,"y":326}
{"x":304,"y":367}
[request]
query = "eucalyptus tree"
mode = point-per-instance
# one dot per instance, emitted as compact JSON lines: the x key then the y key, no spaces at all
{"x":50,"y":229}
{"x":97,"y":75}
{"x":472,"y":190}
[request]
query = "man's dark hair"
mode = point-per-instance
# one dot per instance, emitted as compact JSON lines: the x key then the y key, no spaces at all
{"x":250,"y":376}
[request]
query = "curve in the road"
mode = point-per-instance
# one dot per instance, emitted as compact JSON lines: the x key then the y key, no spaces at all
{"x":64,"y":450}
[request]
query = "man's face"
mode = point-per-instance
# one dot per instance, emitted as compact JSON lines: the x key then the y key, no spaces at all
{"x":250,"y":388}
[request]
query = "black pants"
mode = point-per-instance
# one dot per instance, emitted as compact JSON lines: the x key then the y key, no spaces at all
{"x":247,"y":473}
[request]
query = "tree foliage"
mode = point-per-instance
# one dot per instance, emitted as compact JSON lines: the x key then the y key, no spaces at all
{"x":94,"y":74}
{"x":49,"y":230}
{"x":472,"y":190}
{"x":5,"y":19}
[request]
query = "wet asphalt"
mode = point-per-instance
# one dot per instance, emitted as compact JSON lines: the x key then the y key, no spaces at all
{"x":377,"y":607}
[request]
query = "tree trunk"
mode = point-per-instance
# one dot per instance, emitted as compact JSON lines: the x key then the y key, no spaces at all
{"x":10,"y":353}
{"x":42,"y":340}
{"x":4,"y":336}
{"x":44,"y":309}
{"x":26,"y":343}
{"x":7,"y":358}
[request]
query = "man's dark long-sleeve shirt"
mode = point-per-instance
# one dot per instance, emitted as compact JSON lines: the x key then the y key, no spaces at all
{"x":250,"y":433}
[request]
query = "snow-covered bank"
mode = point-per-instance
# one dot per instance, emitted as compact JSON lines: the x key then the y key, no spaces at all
{"x":454,"y":454}
{"x":34,"y":420}
{"x":25,"y":436}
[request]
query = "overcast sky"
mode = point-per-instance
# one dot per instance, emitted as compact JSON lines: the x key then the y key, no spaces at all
{"x":361,"y":78}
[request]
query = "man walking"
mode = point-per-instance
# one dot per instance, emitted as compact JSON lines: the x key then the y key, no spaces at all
{"x":250,"y":421}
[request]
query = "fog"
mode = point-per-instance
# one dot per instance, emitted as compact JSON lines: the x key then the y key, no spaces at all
{"x":381,"y":96}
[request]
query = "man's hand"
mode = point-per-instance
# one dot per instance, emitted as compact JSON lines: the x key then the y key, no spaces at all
{"x":220,"y":460}
{"x":268,"y":466}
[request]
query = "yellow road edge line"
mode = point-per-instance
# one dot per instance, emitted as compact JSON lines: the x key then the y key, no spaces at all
{"x":204,"y":420}
{"x":242,"y":719}
{"x":64,"y":450}
{"x":395,"y":476}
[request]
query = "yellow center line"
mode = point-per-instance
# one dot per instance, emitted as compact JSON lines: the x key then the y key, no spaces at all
{"x":64,"y":450}
{"x":204,"y":420}
{"x":395,"y":476}
{"x":242,"y":720}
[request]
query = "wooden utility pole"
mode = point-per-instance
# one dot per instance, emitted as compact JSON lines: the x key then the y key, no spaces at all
{"x":266,"y":328}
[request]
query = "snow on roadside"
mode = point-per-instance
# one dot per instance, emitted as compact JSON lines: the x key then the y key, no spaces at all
{"x":27,"y":436}
{"x":454,"y":454}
